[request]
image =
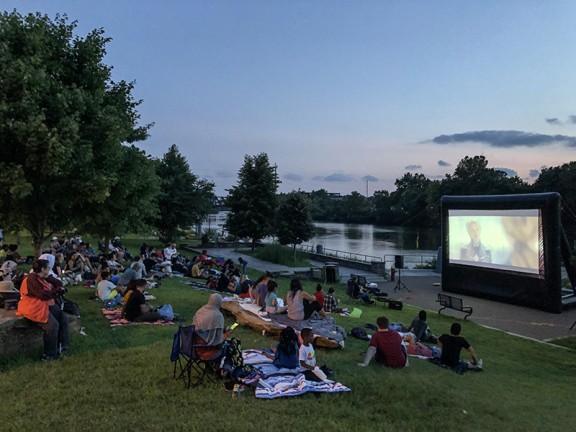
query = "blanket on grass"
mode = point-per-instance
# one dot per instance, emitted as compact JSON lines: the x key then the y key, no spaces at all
{"x":285,"y":382}
{"x":321,"y":327}
{"x":114,"y":317}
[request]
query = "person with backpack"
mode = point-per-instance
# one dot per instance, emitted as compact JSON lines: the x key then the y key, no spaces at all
{"x":39,"y":292}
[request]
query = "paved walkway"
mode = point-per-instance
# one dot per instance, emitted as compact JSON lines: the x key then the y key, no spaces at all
{"x":425,"y":286}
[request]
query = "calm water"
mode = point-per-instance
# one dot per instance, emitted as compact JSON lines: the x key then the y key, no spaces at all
{"x":363,"y":239}
{"x":376,"y":241}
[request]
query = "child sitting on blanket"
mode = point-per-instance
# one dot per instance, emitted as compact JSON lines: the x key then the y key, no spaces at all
{"x":272,"y":306}
{"x":286,"y":354}
{"x":307,"y":357}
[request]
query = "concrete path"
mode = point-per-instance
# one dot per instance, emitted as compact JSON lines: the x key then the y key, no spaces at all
{"x":425,"y":286}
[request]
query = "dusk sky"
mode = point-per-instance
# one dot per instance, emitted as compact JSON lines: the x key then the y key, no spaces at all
{"x":341,"y":93}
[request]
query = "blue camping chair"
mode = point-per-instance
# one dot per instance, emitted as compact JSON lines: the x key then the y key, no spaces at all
{"x":191,"y":369}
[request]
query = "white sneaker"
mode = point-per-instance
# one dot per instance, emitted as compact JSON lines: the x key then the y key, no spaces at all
{"x":480,"y":364}
{"x":362,"y":365}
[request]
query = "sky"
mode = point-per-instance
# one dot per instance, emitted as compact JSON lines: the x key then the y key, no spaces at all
{"x":343,"y":95}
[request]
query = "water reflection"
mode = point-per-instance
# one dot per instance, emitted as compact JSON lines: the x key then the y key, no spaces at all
{"x":376,"y":241}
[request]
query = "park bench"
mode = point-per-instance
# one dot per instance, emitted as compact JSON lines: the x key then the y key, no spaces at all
{"x":455,"y":303}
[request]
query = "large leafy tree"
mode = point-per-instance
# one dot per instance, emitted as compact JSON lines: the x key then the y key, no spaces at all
{"x":184,"y":199}
{"x":252,"y":202}
{"x":293,"y":221}
{"x":133,"y":193}
{"x":63,"y":122}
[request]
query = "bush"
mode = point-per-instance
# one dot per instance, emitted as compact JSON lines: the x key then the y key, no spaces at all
{"x":279,"y":254}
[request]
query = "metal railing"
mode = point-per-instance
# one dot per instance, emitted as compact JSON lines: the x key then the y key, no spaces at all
{"x":349,"y":256}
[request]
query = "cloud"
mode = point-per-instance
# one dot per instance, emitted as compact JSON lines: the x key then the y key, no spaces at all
{"x":553,"y":121}
{"x":572,"y":119}
{"x":506,"y":139}
{"x":443,"y":163}
{"x":225,"y":174}
{"x":292,"y":176}
{"x":509,"y":172}
{"x":337,"y":177}
{"x":370,"y":178}
{"x":534,"y":173}
{"x":412,"y":167}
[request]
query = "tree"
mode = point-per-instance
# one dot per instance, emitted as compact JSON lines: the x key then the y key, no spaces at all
{"x":184,"y":199}
{"x":252,"y":202}
{"x":409,"y":199}
{"x":293,"y":221}
{"x":322,"y":207}
{"x":472,"y":177}
{"x":355,"y":208}
{"x":561,"y":179}
{"x":132,"y":203}
{"x":62,"y":124}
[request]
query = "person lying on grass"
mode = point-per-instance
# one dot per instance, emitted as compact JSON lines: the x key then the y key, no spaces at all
{"x":451,"y":345}
{"x":386,"y":346}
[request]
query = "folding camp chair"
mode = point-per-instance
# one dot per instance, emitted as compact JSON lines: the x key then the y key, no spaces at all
{"x":185,"y":357}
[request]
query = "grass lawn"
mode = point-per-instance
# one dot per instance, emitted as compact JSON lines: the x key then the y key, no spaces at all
{"x":121,"y":379}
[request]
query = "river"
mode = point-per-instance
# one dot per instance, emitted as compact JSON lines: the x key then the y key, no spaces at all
{"x":376,"y":241}
{"x":363,"y":239}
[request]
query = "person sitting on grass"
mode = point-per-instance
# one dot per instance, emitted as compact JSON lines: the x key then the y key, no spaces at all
{"x":451,"y":345}
{"x":319,"y":294}
{"x":136,"y":309}
{"x":307,"y":357}
{"x":197,"y":271}
{"x":286,"y":354}
{"x":209,"y":324}
{"x":106,"y":291}
{"x":386,"y":347}
{"x":272,"y":306}
{"x":419,"y":327}
{"x":330,"y":302}
{"x":354,"y":290}
{"x":301,"y":305}
{"x":38,"y":293}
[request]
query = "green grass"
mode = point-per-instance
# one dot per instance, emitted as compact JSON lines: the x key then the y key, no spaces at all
{"x":121,"y":379}
{"x":279,"y":254}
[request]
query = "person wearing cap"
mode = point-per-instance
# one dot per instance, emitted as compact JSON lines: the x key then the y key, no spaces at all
{"x":136,"y":309}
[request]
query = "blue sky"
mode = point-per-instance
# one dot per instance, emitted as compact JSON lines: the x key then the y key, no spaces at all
{"x":338,"y":92}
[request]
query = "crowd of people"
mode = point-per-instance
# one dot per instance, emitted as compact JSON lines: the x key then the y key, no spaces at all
{"x":122,"y":278}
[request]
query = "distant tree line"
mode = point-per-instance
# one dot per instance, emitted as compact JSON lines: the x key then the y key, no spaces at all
{"x":416,"y":200}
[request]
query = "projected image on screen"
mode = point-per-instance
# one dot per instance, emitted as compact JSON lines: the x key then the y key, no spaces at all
{"x":499,"y":239}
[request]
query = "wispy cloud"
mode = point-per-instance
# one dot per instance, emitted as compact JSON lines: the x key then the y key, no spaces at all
{"x":506,"y":139}
{"x":443,"y":163}
{"x":412,"y":167}
{"x":292,"y":176}
{"x":572,"y":119}
{"x":509,"y":172}
{"x":336,"y":177}
{"x":370,"y":178}
{"x":534,"y":173}
{"x":225,"y":174}
{"x":553,"y":121}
